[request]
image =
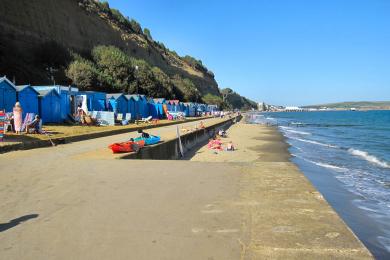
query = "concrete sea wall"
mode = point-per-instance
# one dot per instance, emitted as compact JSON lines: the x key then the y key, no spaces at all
{"x":170,"y":149}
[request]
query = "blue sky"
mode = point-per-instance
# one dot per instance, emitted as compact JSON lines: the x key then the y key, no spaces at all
{"x":286,"y":52}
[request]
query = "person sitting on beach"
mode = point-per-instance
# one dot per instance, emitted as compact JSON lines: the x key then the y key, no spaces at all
{"x":35,"y":125}
{"x":143,"y":134}
{"x":201,"y":125}
{"x":230,"y":146}
{"x":222,"y":133}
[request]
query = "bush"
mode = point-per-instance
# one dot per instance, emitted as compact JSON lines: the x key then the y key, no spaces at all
{"x":186,"y":89}
{"x":135,"y":26}
{"x":117,"y":15}
{"x":83,"y":73}
{"x":115,"y":67}
{"x":147,"y":34}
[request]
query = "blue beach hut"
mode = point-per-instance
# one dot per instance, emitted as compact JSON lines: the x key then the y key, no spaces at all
{"x":153,"y":111}
{"x":7,"y":94}
{"x":67,"y":98}
{"x":50,"y":106}
{"x":96,"y":101}
{"x":132,"y":107}
{"x":141,"y":106}
{"x":144,"y":106}
{"x":159,"y":103}
{"x":28,"y":99}
{"x":117,"y":103}
{"x":190,"y":109}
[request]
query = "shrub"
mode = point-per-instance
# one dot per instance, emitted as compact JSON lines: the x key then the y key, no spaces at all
{"x":83,"y":73}
{"x":115,"y":67}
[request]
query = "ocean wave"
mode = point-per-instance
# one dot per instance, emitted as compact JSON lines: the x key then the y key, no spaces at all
{"x":324,"y":165}
{"x":290,"y":130}
{"x":368,"y":157}
{"x":314,"y":142}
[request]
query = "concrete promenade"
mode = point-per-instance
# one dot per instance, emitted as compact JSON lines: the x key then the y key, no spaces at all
{"x":74,"y":202}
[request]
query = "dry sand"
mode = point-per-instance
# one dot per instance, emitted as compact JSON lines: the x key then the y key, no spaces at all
{"x":248,"y":204}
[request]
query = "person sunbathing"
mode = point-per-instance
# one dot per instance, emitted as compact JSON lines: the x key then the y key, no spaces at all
{"x":143,"y":134}
{"x":215,"y":144}
{"x":35,"y":125}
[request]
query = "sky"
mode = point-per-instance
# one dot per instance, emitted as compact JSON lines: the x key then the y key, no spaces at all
{"x":282,"y":52}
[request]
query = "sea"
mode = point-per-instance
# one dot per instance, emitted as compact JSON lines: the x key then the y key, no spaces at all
{"x":346,"y":155}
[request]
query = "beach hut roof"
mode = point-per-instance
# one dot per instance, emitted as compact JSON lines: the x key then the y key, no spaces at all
{"x":57,"y":87}
{"x":174,"y":101}
{"x":130,"y":97}
{"x":137,"y":97}
{"x":22,"y":87}
{"x":8,"y":81}
{"x":159,"y":100}
{"x":115,"y":95}
{"x":45,"y":92}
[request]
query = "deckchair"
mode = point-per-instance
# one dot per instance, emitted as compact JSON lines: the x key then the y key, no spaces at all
{"x":145,"y":120}
{"x":27,"y":120}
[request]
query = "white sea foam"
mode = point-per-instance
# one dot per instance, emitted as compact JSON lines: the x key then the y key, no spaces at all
{"x":314,"y":142}
{"x":325,"y":165}
{"x":290,"y":130}
{"x":333,"y":167}
{"x":368,"y":157}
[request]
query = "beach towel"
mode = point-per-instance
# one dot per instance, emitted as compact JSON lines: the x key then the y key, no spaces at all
{"x":2,"y":119}
{"x":18,"y":120}
{"x":27,"y":120}
{"x":105,"y":118}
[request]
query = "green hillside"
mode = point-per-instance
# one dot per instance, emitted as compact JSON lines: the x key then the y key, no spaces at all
{"x":356,"y":104}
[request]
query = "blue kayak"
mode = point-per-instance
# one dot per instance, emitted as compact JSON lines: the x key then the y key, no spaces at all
{"x":149,"y":141}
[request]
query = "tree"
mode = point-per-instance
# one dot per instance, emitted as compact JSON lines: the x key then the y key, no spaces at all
{"x":186,"y":89}
{"x":135,"y":26}
{"x":211,"y":99}
{"x":83,"y":73}
{"x":148,"y":34}
{"x":115,"y":67}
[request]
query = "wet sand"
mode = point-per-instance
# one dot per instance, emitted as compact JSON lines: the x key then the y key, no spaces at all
{"x":62,"y":203}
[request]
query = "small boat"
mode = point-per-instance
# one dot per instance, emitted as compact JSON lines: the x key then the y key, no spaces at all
{"x":148,"y":141}
{"x":127,"y":147}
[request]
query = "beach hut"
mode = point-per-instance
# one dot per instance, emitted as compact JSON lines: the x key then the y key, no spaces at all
{"x":212,"y":108}
{"x":190,"y":109}
{"x":7,"y":94}
{"x":201,"y":108}
{"x":28,"y":99}
{"x":159,"y":106}
{"x":153,"y":109}
{"x":96,"y":101}
{"x":67,"y":97}
{"x":173,"y":105}
{"x":117,"y":103}
{"x":144,"y":106}
{"x":132,"y":107}
{"x":50,"y":106}
{"x":142,"y":109}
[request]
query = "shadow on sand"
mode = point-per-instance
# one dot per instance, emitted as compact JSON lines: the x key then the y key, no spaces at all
{"x":16,"y":221}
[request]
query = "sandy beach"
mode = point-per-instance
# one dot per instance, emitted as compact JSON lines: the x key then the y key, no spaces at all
{"x":248,"y":204}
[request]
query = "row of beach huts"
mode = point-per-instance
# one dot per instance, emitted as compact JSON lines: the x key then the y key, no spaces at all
{"x":55,"y":104}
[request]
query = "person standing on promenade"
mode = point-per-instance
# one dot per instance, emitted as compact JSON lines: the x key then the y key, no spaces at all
{"x":18,"y":120}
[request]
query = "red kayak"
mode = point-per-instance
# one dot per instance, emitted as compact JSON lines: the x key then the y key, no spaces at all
{"x":127,"y":147}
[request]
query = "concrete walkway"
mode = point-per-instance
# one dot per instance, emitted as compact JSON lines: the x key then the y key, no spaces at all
{"x":67,"y":202}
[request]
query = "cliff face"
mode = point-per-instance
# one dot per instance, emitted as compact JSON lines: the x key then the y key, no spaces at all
{"x":30,"y":28}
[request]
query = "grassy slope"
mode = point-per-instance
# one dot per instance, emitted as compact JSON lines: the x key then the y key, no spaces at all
{"x":358,"y":104}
